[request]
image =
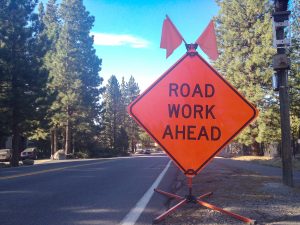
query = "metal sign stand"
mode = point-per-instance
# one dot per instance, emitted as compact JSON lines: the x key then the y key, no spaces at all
{"x":190,"y":198}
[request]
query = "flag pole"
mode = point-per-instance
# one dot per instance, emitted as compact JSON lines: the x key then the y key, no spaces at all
{"x":176,"y":29}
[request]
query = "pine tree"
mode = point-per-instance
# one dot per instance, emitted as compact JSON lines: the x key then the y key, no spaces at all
{"x":4,"y":98}
{"x":244,"y":33}
{"x":74,"y":72}
{"x":123,"y":140}
{"x":51,"y":28}
{"x":39,"y":49}
{"x":122,"y":143}
{"x":146,"y":140}
{"x":5,"y":85}
{"x":112,"y":111}
{"x":49,"y":32}
{"x":132,"y":129}
{"x":20,"y":65}
{"x":123,"y":113}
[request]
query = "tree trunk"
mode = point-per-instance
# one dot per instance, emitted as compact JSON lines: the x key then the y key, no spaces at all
{"x":279,"y":149}
{"x":255,"y":149}
{"x":14,"y":161}
{"x":52,"y":142}
{"x":262,"y":148}
{"x":53,"y":137}
{"x":298,"y":142}
{"x":55,"y":140}
{"x":68,"y":138}
{"x":114,"y":131}
{"x":73,"y":143}
{"x":132,"y":146}
{"x":245,"y":150}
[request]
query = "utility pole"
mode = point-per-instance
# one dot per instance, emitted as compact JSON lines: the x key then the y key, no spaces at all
{"x":281,"y":65}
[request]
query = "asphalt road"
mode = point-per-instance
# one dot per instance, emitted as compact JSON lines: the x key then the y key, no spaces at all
{"x":101,"y":192}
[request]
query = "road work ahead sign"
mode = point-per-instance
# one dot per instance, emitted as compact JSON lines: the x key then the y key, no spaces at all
{"x":192,"y":112}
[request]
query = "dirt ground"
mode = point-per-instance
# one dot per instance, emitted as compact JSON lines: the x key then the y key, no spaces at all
{"x":268,"y":161}
{"x":261,"y":198}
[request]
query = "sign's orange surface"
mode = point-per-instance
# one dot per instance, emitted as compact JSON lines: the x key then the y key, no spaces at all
{"x":192,"y":112}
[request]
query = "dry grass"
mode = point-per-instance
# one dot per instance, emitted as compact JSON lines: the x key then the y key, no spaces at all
{"x":269,"y":161}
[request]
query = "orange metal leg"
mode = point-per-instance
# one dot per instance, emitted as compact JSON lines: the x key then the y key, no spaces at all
{"x":190,"y":198}
{"x":239,"y":217}
{"x":168,"y":194}
{"x":205,"y":195}
{"x":163,"y":216}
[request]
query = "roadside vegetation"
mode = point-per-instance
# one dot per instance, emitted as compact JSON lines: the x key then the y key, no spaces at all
{"x":52,"y":94}
{"x":244,"y":35}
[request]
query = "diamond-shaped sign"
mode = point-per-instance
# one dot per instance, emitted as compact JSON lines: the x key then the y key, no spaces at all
{"x":192,"y":112}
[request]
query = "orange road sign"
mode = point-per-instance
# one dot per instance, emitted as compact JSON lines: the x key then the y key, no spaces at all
{"x":192,"y":112}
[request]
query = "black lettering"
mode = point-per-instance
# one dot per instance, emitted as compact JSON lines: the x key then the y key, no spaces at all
{"x":173,"y":109}
{"x":203,"y":133}
{"x":173,"y":88}
{"x":177,"y":132}
{"x":209,"y":111}
{"x":185,"y":90}
{"x":168,"y":132}
{"x":197,"y":90}
{"x":215,"y":133}
{"x":186,"y":113}
{"x":198,"y":109}
{"x":209,"y":90}
{"x":190,"y":132}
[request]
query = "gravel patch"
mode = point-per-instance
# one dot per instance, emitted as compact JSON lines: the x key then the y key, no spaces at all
{"x":261,"y":198}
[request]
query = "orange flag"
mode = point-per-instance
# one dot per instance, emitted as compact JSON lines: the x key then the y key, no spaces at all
{"x":208,"y":41}
{"x":170,"y":38}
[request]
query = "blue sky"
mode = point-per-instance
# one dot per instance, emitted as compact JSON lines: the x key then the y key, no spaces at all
{"x":127,"y":34}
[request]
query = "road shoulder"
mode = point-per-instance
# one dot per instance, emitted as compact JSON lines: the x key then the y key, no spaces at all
{"x":254,"y":195}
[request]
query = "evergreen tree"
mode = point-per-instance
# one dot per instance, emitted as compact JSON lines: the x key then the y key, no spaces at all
{"x":49,"y":32}
{"x":5,"y":85}
{"x":123,"y":113}
{"x":41,"y":14}
{"x":112,"y":109}
{"x":20,"y":64}
{"x":132,"y":129}
{"x":39,"y":50}
{"x":51,"y":28}
{"x":74,"y":72}
{"x":122,"y":143}
{"x":4,"y":100}
{"x":146,"y":140}
{"x":244,"y":33}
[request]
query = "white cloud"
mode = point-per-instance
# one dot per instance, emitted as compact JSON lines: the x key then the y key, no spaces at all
{"x":119,"y":39}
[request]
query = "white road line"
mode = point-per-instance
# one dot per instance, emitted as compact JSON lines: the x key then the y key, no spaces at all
{"x":135,"y":212}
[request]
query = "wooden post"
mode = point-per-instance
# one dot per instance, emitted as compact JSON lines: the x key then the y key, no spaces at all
{"x":282,"y":15}
{"x":287,"y":167}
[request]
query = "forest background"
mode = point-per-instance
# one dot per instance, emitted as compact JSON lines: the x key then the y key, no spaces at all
{"x":52,"y":94}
